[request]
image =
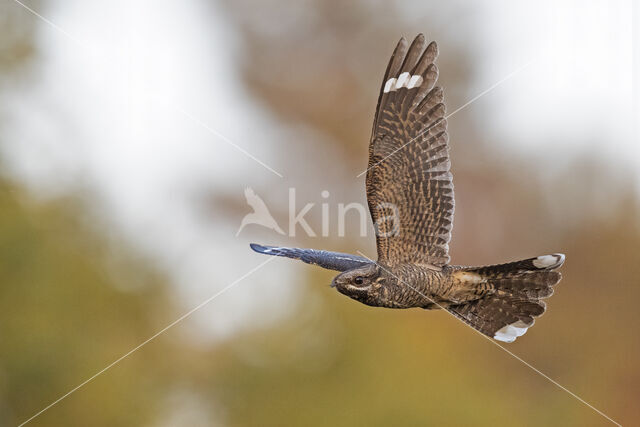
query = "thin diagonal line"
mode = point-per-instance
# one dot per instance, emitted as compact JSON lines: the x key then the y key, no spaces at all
{"x":151,"y":338}
{"x":495,"y":343}
{"x":180,"y":110}
{"x":47,"y":21}
{"x":466,"y":104}
{"x":490,"y":88}
{"x":227,"y":140}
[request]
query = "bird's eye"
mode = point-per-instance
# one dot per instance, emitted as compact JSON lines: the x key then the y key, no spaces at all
{"x":359,"y":280}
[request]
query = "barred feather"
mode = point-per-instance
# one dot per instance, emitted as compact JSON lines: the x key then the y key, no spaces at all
{"x":512,"y":300}
{"x":409,"y":161}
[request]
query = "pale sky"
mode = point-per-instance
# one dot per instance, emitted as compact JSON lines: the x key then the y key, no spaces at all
{"x":578,"y":91}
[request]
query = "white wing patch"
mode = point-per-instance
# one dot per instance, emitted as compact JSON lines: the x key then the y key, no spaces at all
{"x":404,"y":80}
{"x":415,"y":81}
{"x":390,"y":85}
{"x":510,"y":332}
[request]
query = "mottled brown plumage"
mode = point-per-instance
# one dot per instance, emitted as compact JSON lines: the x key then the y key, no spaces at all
{"x":410,"y":196}
{"x":409,"y":162}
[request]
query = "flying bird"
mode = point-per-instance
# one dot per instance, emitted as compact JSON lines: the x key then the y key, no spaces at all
{"x":410,"y":196}
{"x":260,"y":214}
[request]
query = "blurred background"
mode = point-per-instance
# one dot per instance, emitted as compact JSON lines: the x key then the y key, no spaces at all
{"x":130,"y":130}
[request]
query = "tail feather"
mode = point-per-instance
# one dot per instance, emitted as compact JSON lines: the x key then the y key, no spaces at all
{"x":513,"y":297}
{"x":541,"y":263}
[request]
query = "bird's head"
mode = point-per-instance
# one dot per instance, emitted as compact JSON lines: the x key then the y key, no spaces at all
{"x":362,"y":284}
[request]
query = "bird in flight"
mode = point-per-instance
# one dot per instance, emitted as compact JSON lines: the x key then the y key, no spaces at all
{"x":410,"y":196}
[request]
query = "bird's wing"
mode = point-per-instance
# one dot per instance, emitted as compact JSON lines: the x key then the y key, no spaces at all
{"x":325,"y":259}
{"x":409,"y":185}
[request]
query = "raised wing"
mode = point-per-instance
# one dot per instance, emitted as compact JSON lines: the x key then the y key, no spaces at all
{"x":325,"y":259}
{"x":409,"y":185}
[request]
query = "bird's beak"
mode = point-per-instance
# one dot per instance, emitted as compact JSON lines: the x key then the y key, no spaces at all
{"x":333,"y":283}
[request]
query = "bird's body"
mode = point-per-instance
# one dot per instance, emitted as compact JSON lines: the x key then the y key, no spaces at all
{"x":410,"y":195}
{"x":401,"y":286}
{"x":429,"y":287}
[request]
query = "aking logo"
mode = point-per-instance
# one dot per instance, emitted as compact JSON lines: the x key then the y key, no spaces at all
{"x":260,"y":215}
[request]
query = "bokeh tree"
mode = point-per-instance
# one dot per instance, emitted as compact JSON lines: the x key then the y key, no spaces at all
{"x":69,"y":306}
{"x":73,"y":296}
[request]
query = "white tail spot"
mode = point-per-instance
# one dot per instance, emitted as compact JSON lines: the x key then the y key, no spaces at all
{"x":510,"y":332}
{"x":547,"y":261}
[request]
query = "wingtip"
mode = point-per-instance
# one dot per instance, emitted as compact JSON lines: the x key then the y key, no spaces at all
{"x":258,"y":248}
{"x":433,"y":50}
{"x":419,"y":39}
{"x":402,"y":43}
